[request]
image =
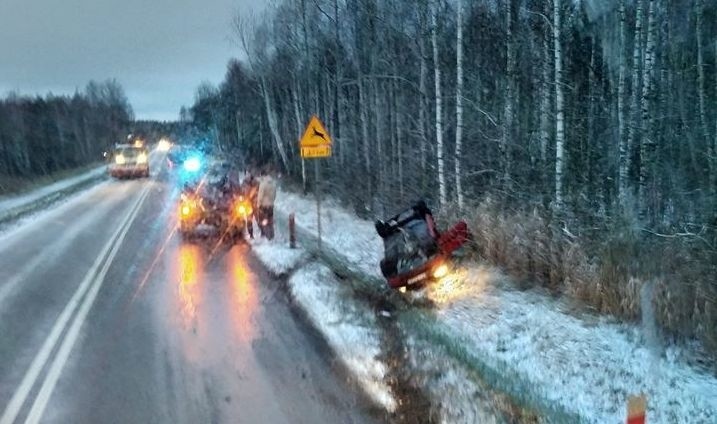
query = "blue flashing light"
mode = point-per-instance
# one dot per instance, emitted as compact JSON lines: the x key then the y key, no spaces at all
{"x":192,"y":164}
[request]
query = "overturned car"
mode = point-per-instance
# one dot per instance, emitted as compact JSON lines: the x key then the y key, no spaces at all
{"x":415,"y":253}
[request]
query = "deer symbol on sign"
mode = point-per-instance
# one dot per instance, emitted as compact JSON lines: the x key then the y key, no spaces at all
{"x":318,"y":133}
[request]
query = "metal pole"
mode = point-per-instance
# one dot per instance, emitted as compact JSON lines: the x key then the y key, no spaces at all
{"x":318,"y":198}
{"x":292,"y":231}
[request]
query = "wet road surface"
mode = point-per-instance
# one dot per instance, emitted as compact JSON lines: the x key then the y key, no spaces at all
{"x":106,"y":315}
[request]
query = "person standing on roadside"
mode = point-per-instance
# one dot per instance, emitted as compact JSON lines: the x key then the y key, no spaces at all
{"x":265,"y":200}
{"x":250,"y":188}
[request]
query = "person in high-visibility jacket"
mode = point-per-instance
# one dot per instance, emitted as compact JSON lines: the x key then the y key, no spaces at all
{"x":265,"y":201}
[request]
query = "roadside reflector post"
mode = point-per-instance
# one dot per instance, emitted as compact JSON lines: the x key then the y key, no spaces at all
{"x":637,"y":409}
{"x":292,"y":231}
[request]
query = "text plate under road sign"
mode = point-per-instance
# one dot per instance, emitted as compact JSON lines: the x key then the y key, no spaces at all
{"x":316,"y":152}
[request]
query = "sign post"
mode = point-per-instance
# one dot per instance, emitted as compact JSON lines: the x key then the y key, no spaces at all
{"x":316,"y":144}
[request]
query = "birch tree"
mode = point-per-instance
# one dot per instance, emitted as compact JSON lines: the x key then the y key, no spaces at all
{"x":701,"y":80}
{"x":634,"y":99}
{"x":545,"y":97}
{"x":647,"y":141}
{"x":559,"y":105}
{"x":623,"y":151}
{"x":459,"y":102}
{"x":442,"y":192}
{"x":509,"y":95}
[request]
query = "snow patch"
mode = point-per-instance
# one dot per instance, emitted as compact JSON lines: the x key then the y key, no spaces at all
{"x":587,"y":366}
{"x":457,"y":397}
{"x":277,"y":256}
{"x":584,"y":365}
{"x":343,"y":231}
{"x":350,"y":331}
{"x":13,"y":202}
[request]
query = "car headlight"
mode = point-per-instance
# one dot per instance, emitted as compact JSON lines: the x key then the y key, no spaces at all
{"x":243,"y":209}
{"x":192,"y":164}
{"x":440,"y":271}
{"x":163,"y":145}
{"x":142,"y":158}
{"x":120,"y":160}
{"x":186,"y":208}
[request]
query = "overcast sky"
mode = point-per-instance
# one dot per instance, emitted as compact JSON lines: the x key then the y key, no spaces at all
{"x":159,"y":50}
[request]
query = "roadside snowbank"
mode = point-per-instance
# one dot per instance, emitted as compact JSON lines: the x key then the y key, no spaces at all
{"x":10,"y":203}
{"x":351,"y":331}
{"x":582,"y":365}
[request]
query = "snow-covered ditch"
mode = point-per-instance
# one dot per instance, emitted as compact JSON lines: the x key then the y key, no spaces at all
{"x":567,"y":366}
{"x":350,"y":330}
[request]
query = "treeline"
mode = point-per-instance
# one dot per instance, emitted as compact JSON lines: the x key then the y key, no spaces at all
{"x":584,"y":133}
{"x":42,"y":135}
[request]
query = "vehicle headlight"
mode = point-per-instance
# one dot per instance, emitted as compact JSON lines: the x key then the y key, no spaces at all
{"x":440,"y":271}
{"x":244,"y":209}
{"x":192,"y":164}
{"x":186,"y":209}
{"x":120,"y":160}
{"x":163,"y":145}
{"x":142,"y":158}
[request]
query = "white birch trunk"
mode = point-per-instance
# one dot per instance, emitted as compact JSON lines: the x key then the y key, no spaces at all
{"x":559,"y":115}
{"x":459,"y":103}
{"x":422,"y":107}
{"x":647,"y":142}
{"x":509,"y":97}
{"x":442,"y":192}
{"x":701,"y":73}
{"x":363,"y":99}
{"x":713,"y":150}
{"x":379,"y":113}
{"x":545,"y":104}
{"x":634,"y":102}
{"x":299,"y":129}
{"x":623,"y":159}
{"x":273,"y":126}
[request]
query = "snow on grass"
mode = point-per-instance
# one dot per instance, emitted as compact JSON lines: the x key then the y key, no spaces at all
{"x":580,"y":365}
{"x":354,"y":238}
{"x":351,"y":331}
{"x":587,"y":366}
{"x":456,"y":397}
{"x":13,"y":202}
{"x":277,"y":256}
{"x":349,"y":328}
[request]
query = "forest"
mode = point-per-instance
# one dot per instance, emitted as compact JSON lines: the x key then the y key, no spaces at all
{"x":577,"y":137}
{"x":41,"y":136}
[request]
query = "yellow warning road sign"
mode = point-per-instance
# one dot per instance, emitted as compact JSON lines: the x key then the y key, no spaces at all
{"x":315,"y":134}
{"x":316,"y":151}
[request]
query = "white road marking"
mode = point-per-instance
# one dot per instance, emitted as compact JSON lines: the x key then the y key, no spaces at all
{"x":38,"y":363}
{"x":43,"y":396}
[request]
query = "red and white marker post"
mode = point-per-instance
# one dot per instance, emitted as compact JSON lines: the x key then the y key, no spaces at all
{"x":637,"y":409}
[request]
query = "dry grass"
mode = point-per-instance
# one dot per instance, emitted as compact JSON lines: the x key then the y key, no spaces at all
{"x":605,"y":269}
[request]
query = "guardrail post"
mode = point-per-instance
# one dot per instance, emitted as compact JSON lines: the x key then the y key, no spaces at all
{"x":292,"y":231}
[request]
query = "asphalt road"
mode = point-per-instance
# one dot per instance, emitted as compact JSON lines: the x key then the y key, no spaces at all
{"x":107,"y":316}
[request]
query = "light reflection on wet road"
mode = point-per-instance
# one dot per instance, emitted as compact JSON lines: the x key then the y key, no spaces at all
{"x":180,"y":332}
